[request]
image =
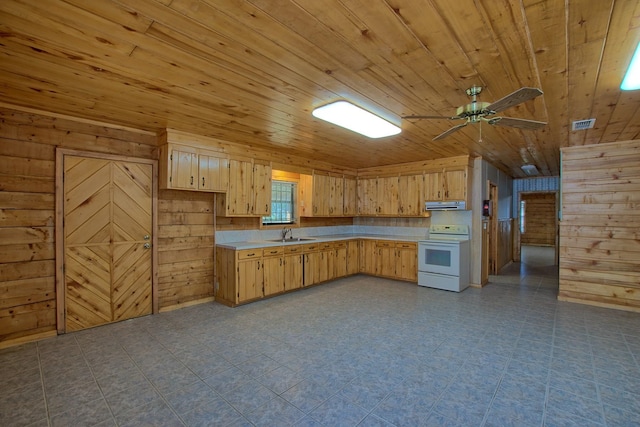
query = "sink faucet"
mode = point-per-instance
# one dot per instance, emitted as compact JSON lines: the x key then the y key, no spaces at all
{"x":286,"y":231}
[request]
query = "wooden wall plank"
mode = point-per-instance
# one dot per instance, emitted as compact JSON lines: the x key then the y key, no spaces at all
{"x":599,"y":237}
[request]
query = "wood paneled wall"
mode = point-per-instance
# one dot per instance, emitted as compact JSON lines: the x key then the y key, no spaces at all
{"x":540,"y":219}
{"x":27,"y":193}
{"x":186,"y":244}
{"x":599,"y":230}
{"x":27,"y":188}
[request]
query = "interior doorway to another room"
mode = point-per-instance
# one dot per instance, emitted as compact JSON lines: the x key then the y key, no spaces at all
{"x":537,"y":222}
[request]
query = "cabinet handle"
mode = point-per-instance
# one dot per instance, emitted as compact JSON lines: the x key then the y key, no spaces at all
{"x":203,"y":181}
{"x":258,"y":264}
{"x":280,"y":262}
{"x":266,"y":207}
{"x":192,"y":180}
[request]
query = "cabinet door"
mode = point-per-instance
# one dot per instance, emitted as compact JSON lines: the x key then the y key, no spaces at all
{"x":184,"y":168}
{"x":336,"y":195}
{"x":409,"y":195}
{"x":407,"y":262}
{"x":353,"y":258}
{"x":321,"y":194}
{"x":350,"y":196}
{"x":340,"y":259}
{"x":386,"y":259}
{"x":325,"y":265}
{"x":239,"y":196}
{"x":311,"y":268}
{"x":387,"y":196}
{"x":433,"y":186}
{"x":262,"y":190}
{"x":293,"y":271}
{"x":455,"y":184}
{"x":367,"y":195}
{"x":213,"y":173}
{"x":273,"y":275}
{"x":249,"y":279}
{"x":368,"y":257}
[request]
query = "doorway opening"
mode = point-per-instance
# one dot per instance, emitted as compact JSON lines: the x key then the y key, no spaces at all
{"x":537,"y":225}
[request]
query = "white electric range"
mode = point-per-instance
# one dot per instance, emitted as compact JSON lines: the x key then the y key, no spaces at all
{"x":443,"y":259}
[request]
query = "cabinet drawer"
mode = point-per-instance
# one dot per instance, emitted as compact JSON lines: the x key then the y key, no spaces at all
{"x":312,"y":247}
{"x":293,"y":249}
{"x":384,"y":244}
{"x":273,"y":251}
{"x":249,"y":253}
{"x":325,"y":246}
{"x":406,"y":245}
{"x":339,"y":245}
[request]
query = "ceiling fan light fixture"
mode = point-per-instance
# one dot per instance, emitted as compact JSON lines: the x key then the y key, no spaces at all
{"x":631,"y":79}
{"x":349,"y":116}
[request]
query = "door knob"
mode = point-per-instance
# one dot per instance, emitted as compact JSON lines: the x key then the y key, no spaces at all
{"x":146,"y":237}
{"x":147,"y":245}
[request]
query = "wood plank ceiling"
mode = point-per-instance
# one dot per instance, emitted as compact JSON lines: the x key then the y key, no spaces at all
{"x":251,"y":71}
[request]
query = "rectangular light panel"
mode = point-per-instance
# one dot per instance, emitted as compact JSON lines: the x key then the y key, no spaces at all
{"x":347,"y":115}
{"x":632,"y":78}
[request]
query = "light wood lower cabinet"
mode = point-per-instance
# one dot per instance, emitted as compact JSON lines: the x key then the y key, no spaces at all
{"x":250,"y":274}
{"x":273,"y":270}
{"x":407,"y":261}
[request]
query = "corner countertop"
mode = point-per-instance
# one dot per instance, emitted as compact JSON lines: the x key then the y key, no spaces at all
{"x":316,"y":239}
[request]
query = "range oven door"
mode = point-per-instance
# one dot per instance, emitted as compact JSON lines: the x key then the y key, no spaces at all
{"x":439,"y":257}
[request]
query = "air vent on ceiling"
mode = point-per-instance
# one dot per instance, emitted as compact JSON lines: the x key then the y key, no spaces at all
{"x":530,"y":170}
{"x":583,"y":124}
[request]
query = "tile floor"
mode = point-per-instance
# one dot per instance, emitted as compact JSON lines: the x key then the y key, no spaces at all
{"x":358,"y":351}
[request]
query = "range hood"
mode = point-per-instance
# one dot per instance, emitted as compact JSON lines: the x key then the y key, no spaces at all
{"x":452,"y":205}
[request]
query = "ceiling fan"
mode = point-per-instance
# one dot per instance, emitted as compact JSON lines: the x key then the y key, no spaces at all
{"x":477,"y":112}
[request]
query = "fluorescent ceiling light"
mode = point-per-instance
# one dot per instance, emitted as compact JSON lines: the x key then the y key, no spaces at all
{"x":632,"y":78}
{"x":347,"y":115}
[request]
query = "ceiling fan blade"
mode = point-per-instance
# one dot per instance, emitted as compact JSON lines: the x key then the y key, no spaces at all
{"x":450,"y":131}
{"x":430,"y":117}
{"x":517,"y":123}
{"x":518,"y":97}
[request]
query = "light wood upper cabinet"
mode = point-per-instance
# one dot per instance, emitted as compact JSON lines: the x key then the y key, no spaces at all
{"x":410,"y":195}
{"x":455,"y":184}
{"x":367,"y":196}
{"x":189,"y":168}
{"x":448,"y":184}
{"x":387,"y":196}
{"x":213,"y":173}
{"x":336,"y":195}
{"x":249,"y":190}
{"x":261,"y":189}
{"x":433,"y":186}
{"x":239,"y":196}
{"x":350,"y":207}
{"x":322,"y":194}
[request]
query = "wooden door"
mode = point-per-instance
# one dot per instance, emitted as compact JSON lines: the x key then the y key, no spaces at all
{"x":107,"y":228}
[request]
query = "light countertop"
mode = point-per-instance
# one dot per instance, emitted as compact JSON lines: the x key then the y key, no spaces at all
{"x":318,"y":239}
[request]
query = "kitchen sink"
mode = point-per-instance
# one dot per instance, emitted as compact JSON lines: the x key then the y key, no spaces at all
{"x":294,"y":240}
